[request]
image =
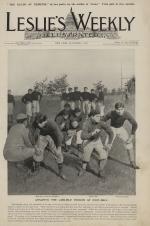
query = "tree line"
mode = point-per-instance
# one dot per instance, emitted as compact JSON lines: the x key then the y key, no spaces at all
{"x":58,"y":84}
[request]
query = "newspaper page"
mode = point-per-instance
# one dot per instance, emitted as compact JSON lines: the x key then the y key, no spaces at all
{"x":74,"y":112}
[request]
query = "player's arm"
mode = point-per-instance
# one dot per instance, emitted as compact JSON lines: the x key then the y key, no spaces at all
{"x":81,"y":97}
{"x":60,"y":122}
{"x":68,"y":97}
{"x":40,"y":96}
{"x":26,"y":138}
{"x":130,"y":118}
{"x":57,"y":132}
{"x":86,"y":135}
{"x":24,"y":99}
{"x":95,"y":99}
{"x":108,"y":130}
{"x":13,"y":100}
{"x":107,"y":116}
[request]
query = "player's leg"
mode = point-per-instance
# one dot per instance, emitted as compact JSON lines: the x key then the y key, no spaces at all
{"x":93,"y":106}
{"x":62,"y":103}
{"x":98,"y":106}
{"x":102,"y":110}
{"x":29,"y":112}
{"x":19,"y":154}
{"x":114,"y":136}
{"x":88,"y":107}
{"x":83,"y":107}
{"x":34,"y":108}
{"x":79,"y":104}
{"x":103,"y":155}
{"x":87,"y":151}
{"x":10,"y":113}
{"x":73,"y":105}
{"x":123,"y":134}
{"x":57,"y":152}
{"x":37,"y":106}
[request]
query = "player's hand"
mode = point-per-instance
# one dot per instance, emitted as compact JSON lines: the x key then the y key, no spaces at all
{"x":95,"y":132}
{"x":62,"y":125}
{"x":59,"y":149}
{"x":37,"y":151}
{"x":130,"y":139}
{"x":42,"y":124}
{"x":108,"y":147}
{"x":71,"y":133}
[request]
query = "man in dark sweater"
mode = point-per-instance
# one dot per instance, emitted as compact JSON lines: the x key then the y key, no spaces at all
{"x":77,"y":115}
{"x":63,"y":117}
{"x":51,"y":137}
{"x":117,"y":118}
{"x":27,"y":100}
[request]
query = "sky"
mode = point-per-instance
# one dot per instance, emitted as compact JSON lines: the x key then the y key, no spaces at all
{"x":83,"y":67}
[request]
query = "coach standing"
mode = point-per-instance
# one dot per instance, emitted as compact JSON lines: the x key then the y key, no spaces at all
{"x":36,"y":98}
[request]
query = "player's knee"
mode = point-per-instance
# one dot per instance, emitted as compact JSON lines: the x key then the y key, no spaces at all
{"x":129,"y":146}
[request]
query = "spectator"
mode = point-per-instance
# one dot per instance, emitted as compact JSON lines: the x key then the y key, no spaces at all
{"x":11,"y":105}
{"x":27,"y":100}
{"x":36,"y":98}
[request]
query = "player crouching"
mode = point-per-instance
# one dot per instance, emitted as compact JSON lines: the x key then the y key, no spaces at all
{"x":73,"y":139}
{"x":51,"y":138}
{"x":91,"y":136}
{"x":117,"y":118}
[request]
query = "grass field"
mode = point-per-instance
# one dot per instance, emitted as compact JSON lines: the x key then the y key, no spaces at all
{"x":120,"y":176}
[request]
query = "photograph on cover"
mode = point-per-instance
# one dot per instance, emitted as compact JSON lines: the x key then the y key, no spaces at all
{"x":71,"y":122}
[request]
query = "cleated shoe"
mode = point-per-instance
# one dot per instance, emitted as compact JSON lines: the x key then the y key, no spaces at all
{"x":62,"y":176}
{"x":134,"y":166}
{"x":102,"y":176}
{"x":81,"y":172}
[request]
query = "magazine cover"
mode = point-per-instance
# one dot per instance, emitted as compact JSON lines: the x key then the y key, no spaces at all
{"x":74,"y":112}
